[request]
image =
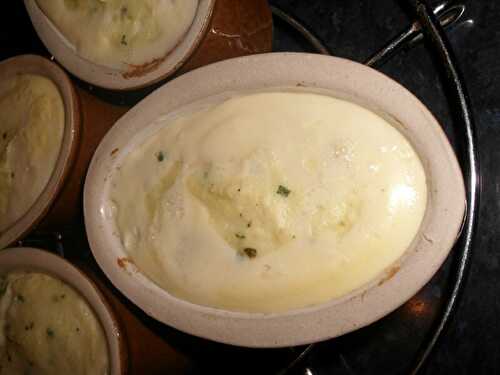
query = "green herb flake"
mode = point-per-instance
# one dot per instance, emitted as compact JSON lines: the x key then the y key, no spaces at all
{"x":50,"y":332}
{"x":20,"y":298}
{"x":29,"y":327}
{"x":240,"y":236}
{"x":250,"y":252}
{"x":160,"y":156}
{"x":123,"y":40}
{"x":249,"y":224}
{"x":282,"y":190}
{"x":77,"y":329}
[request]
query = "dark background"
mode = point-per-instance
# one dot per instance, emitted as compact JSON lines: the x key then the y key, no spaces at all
{"x":355,"y":30}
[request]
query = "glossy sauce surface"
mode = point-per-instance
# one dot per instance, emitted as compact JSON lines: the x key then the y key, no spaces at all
{"x":47,"y":328}
{"x":117,"y":32}
{"x":269,"y":202}
{"x":31,"y":132}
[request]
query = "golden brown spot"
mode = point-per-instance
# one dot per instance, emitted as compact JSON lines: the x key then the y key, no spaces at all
{"x":143,"y":69}
{"x":122,"y":262}
{"x":389,"y":274}
{"x":114,"y":151}
{"x":140,"y":70}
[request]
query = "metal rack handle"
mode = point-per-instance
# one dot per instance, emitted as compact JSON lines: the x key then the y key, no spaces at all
{"x":469,"y":161}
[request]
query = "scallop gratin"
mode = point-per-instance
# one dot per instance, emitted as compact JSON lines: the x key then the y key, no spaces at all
{"x":48,"y":328}
{"x":117,"y":33}
{"x":269,"y":202}
{"x":31,"y":132}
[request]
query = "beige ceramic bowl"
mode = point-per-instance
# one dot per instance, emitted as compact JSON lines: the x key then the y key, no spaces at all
{"x":30,"y":64}
{"x":297,"y":72}
{"x":117,"y":79}
{"x":29,"y":259}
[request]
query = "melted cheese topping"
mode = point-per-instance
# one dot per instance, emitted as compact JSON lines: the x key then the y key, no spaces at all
{"x":31,"y":131}
{"x":48,"y":328}
{"x":117,"y":32}
{"x":269,"y":202}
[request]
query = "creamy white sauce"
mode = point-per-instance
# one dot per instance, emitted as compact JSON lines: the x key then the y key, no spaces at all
{"x":31,"y":131}
{"x":269,"y":202}
{"x":117,"y":32}
{"x":47,"y":328}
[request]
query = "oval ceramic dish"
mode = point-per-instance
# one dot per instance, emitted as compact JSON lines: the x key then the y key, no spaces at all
{"x":29,"y":259}
{"x":30,"y":64}
{"x":111,"y":78}
{"x":286,"y":72}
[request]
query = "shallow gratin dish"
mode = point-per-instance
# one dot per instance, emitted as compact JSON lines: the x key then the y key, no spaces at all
{"x":221,"y":29}
{"x":283,"y":72}
{"x":35,"y":260}
{"x":31,"y":64}
{"x":108,"y":77}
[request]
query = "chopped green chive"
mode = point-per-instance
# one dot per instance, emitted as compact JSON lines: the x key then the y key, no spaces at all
{"x":160,"y":156}
{"x":250,"y":252}
{"x":240,"y":236}
{"x":50,"y":332}
{"x":20,"y":298}
{"x":282,"y":190}
{"x":123,"y":40}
